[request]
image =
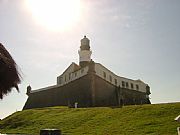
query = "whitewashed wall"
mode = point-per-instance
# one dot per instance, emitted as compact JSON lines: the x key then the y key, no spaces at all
{"x":100,"y":70}
{"x":70,"y":75}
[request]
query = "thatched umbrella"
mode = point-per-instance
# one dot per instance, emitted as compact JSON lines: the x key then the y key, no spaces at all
{"x":9,"y":76}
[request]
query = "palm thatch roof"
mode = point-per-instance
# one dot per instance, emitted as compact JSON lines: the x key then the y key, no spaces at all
{"x":9,"y":75}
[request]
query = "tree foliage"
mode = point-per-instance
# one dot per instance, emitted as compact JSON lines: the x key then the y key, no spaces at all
{"x":9,"y":75}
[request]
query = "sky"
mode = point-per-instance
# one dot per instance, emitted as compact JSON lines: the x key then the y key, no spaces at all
{"x":137,"y":39}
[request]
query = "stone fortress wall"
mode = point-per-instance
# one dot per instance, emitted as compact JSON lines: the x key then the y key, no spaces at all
{"x":89,"y":84}
{"x":89,"y":90}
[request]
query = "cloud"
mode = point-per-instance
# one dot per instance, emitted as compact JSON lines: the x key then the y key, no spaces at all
{"x":4,"y":1}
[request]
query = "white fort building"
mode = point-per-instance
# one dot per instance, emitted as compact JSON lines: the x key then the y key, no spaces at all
{"x":89,"y":84}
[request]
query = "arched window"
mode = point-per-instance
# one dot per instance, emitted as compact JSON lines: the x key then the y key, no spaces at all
{"x":123,"y":84}
{"x":137,"y":87}
{"x":132,"y":86}
{"x":115,"y":81}
{"x":82,"y":70}
{"x":69,"y":76}
{"x":104,"y":74}
{"x":110,"y":78}
{"x":127,"y":85}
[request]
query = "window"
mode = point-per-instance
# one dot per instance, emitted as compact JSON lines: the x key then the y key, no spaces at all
{"x":82,"y":70}
{"x":123,"y":84}
{"x":137,"y":87}
{"x":69,"y":76}
{"x":65,"y":78}
{"x":132,"y":86}
{"x":110,"y":78}
{"x":104,"y":74}
{"x":75,"y":74}
{"x":59,"y":80}
{"x":127,"y":85}
{"x":115,"y":81}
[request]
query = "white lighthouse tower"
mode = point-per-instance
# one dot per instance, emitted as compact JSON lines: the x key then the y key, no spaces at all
{"x":84,"y":52}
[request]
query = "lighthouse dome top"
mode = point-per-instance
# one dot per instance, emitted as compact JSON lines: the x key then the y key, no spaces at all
{"x":85,"y":43}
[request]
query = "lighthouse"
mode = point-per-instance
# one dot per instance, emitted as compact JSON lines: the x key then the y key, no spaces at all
{"x":90,"y":84}
{"x":84,"y":52}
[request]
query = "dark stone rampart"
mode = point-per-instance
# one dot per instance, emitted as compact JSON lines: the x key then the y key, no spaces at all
{"x":75,"y":91}
{"x":107,"y":94}
{"x":88,"y":91}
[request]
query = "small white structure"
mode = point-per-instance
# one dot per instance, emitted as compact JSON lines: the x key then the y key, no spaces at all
{"x":76,"y":105}
{"x":178,"y":130}
{"x":178,"y":120}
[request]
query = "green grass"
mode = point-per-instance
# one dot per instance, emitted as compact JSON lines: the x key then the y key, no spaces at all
{"x":130,"y":120}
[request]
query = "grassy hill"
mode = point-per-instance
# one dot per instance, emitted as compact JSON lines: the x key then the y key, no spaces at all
{"x":130,"y":120}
